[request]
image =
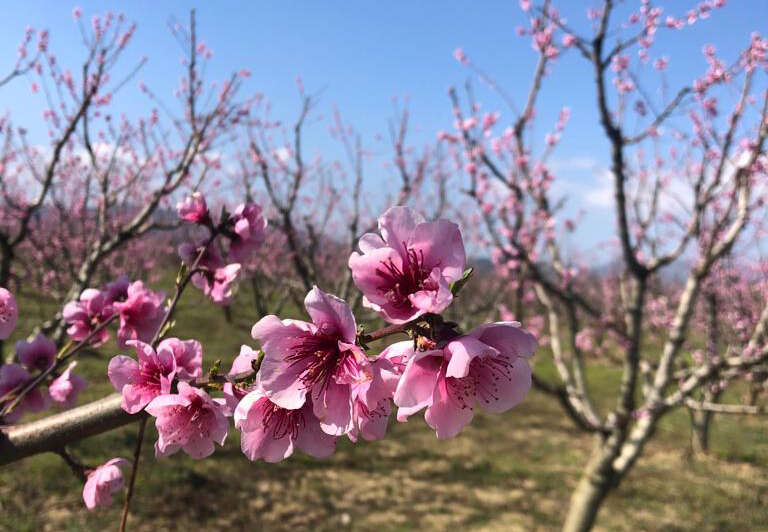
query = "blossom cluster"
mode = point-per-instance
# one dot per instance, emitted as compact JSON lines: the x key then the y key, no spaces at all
{"x":245,"y":231}
{"x":312,"y":382}
{"x":138,"y":308}
{"x":36,"y":359}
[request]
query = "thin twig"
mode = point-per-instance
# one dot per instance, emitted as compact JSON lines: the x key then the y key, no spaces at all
{"x":134,"y":471}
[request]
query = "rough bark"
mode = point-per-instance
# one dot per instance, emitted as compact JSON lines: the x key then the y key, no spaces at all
{"x":596,"y":482}
{"x":54,"y":432}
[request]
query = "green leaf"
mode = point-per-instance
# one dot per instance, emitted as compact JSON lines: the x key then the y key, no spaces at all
{"x":456,"y":286}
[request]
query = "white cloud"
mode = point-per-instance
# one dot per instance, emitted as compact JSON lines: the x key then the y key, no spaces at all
{"x":600,"y":195}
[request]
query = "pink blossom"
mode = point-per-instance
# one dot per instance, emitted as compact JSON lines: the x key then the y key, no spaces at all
{"x":619,"y":63}
{"x":242,"y":363}
{"x":486,"y":368}
{"x":489,"y":120}
{"x":141,"y":381}
{"x":460,"y":56}
{"x":12,"y":379}
{"x":217,"y":282}
{"x":551,"y":139}
{"x":9,"y":313}
{"x":448,"y":137}
{"x":85,"y":315}
{"x":585,"y":339}
{"x":569,"y":40}
{"x":38,"y":354}
{"x":140,"y":314}
{"x":468,"y":123}
{"x":102,"y":482}
{"x":249,"y":227}
{"x":270,"y":432}
{"x":66,"y":387}
{"x":117,"y":290}
{"x":193,"y":209}
{"x":372,"y":404}
{"x":221,"y":286}
{"x":210,"y":260}
{"x":407,"y":271}
{"x":188,"y":355}
{"x":318,"y":359}
{"x":190,"y":420}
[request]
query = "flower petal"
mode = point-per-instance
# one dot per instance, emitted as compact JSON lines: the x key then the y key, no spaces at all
{"x":463,"y":350}
{"x":331,"y":314}
{"x":445,"y":415}
{"x":418,"y":381}
{"x":121,"y":371}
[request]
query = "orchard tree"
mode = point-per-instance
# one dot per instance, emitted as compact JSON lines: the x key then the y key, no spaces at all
{"x":688,"y":171}
{"x":106,"y":186}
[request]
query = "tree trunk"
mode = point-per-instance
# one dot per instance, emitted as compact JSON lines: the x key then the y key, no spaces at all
{"x":701,"y":423}
{"x":258,"y":298}
{"x":597,"y":481}
{"x":700,"y":431}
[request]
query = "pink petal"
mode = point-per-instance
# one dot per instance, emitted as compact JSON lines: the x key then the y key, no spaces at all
{"x":161,"y":402}
{"x":375,"y":427}
{"x":370,"y":241}
{"x":434,"y":301}
{"x":242,"y":362}
{"x":259,"y":445}
{"x":463,"y":350}
{"x":441,"y":243}
{"x":163,"y":450}
{"x":314,"y":441}
{"x":268,"y":328}
{"x":414,"y":391}
{"x":331,"y":314}
{"x":121,"y":371}
{"x":397,"y":224}
{"x":445,"y":415}
{"x":199,"y":448}
{"x":333,"y":407}
{"x":507,"y":337}
{"x":243,"y":420}
{"x":9,"y":313}
{"x":144,"y":351}
{"x":281,"y":382}
{"x":364,"y":272}
{"x":89,"y":493}
{"x":511,"y":391}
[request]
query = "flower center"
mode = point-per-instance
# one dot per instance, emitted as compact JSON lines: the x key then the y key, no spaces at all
{"x":281,"y":421}
{"x":40,"y":361}
{"x":150,"y":373}
{"x":321,"y":359}
{"x":399,"y":282}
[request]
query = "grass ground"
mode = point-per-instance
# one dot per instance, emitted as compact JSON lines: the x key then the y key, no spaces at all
{"x":507,"y":472}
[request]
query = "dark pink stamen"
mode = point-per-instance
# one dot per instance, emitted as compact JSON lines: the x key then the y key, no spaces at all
{"x":399,"y":283}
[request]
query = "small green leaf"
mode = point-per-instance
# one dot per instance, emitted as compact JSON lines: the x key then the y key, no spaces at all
{"x":456,"y":286}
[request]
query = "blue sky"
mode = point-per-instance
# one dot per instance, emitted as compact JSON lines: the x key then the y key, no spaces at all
{"x":361,"y":54}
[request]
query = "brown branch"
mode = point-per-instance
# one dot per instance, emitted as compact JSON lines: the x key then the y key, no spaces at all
{"x":719,"y":408}
{"x":51,"y":433}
